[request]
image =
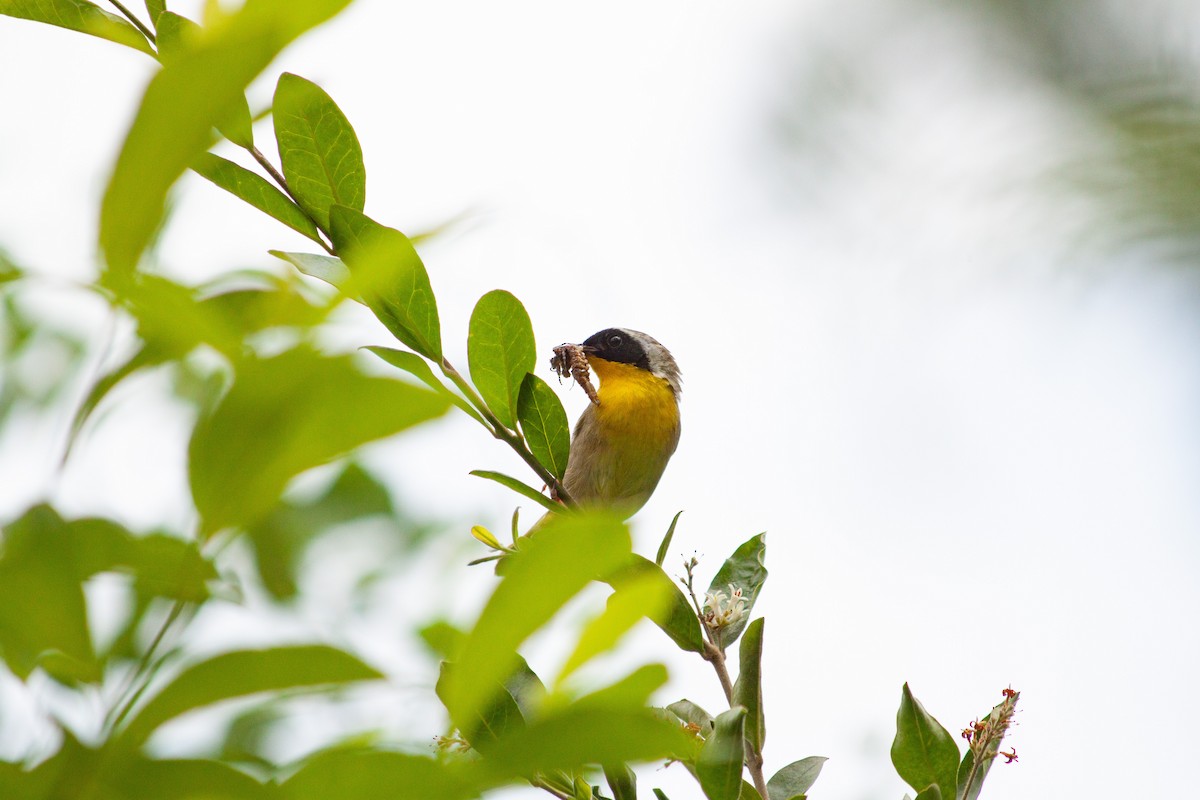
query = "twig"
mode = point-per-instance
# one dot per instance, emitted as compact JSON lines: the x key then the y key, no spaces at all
{"x":511,"y":438}
{"x":277,"y":176}
{"x":137,"y":23}
{"x":114,"y":717}
{"x":715,"y":655}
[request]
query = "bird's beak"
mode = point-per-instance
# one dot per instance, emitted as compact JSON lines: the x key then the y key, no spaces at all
{"x":586,"y":348}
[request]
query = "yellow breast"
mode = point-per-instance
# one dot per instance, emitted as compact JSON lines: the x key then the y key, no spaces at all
{"x":635,"y":404}
{"x":622,"y":446}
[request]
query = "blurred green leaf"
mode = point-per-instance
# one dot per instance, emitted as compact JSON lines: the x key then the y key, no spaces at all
{"x":287,"y":414}
{"x":325,"y":268}
{"x":243,"y":673}
{"x":544,"y":424}
{"x":743,"y":570}
{"x":418,"y":367}
{"x":520,"y":488}
{"x":548,"y":570}
{"x":256,"y":191}
{"x":443,"y":639}
{"x":496,"y":718}
{"x":719,"y":764}
{"x":176,"y":36}
{"x":639,"y":597}
{"x":177,"y":779}
{"x":748,"y":792}
{"x":202,"y":88}
{"x":78,"y":15}
{"x":666,"y":542}
{"x":796,"y":778}
{"x":579,"y":736}
{"x":622,"y":781}
{"x":282,"y":537}
{"x":173,"y":320}
{"x":689,"y":712}
{"x":677,"y":619}
{"x":500,"y":351}
{"x":322,"y":159}
{"x":747,"y":691}
{"x":154,"y":8}
{"x":377,"y":775}
{"x":42,"y":608}
{"x":658,"y":793}
{"x":9,"y":271}
{"x":932,"y":792}
{"x":923,"y":752}
{"x":631,"y":691}
{"x":388,"y":274}
{"x":515,"y":699}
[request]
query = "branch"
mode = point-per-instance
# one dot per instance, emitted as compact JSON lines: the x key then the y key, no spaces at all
{"x":511,"y":438}
{"x":137,"y":23}
{"x":277,"y":176}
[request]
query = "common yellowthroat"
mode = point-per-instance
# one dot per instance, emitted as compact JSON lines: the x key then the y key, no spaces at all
{"x":622,"y":444}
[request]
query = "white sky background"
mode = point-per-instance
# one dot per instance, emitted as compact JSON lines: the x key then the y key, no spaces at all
{"x":971,"y":436}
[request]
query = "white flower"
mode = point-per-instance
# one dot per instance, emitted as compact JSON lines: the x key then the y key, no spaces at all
{"x":724,"y":610}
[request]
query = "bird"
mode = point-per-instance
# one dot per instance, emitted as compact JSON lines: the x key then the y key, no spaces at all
{"x":622,"y":443}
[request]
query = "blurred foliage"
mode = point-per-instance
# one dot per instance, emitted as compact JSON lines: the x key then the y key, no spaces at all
{"x":271,"y":405}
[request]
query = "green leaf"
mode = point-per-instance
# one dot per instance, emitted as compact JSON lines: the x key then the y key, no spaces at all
{"x":78,"y":15}
{"x":243,"y":673}
{"x":579,"y":736}
{"x":631,"y":692}
{"x":691,"y":713}
{"x":388,"y":274}
{"x":719,"y":764}
{"x":743,"y":570}
{"x":748,"y":792}
{"x":377,"y":775}
{"x":500,"y":351}
{"x":548,"y":570}
{"x":497,"y":718}
{"x":639,"y":597}
{"x":322,"y":159}
{"x":287,"y":414}
{"x":660,"y":794}
{"x":419,"y":368}
{"x":520,"y":488}
{"x":154,"y":8}
{"x":621,"y":781}
{"x":177,"y":35}
{"x":256,"y":191}
{"x":443,"y":639}
{"x":202,"y":88}
{"x":326,"y":268}
{"x":544,"y":424}
{"x":666,"y":542}
{"x":931,"y":792}
{"x":42,"y":608}
{"x":178,"y":779}
{"x":923,"y":752}
{"x":678,"y":618}
{"x":796,"y":778}
{"x":747,"y":691}
{"x":281,"y":538}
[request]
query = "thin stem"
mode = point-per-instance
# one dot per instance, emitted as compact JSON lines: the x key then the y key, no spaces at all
{"x":754,"y":760}
{"x":137,"y":23}
{"x":277,"y":176}
{"x":513,"y":440}
{"x":115,"y":717}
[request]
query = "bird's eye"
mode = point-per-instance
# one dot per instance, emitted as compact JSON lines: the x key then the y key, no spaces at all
{"x":614,"y":341}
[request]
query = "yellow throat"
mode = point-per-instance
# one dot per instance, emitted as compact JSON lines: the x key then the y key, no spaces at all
{"x":635,"y":404}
